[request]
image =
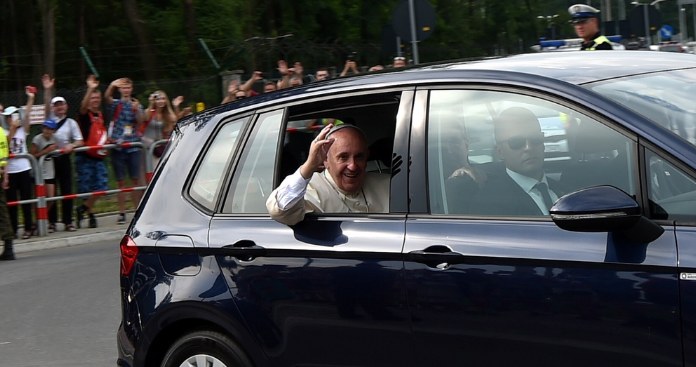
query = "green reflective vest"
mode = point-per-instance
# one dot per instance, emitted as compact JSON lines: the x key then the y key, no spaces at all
{"x":4,"y":149}
{"x":597,"y":41}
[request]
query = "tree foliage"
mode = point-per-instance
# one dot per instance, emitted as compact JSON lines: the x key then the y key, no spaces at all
{"x":156,"y":42}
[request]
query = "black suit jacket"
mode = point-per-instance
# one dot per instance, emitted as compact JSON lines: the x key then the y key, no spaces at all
{"x":501,"y":195}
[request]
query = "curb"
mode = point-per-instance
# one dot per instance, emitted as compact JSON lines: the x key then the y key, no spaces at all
{"x":50,"y":243}
{"x":108,"y":231}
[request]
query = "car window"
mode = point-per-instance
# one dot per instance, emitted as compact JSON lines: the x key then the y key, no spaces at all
{"x":253,"y":179}
{"x":672,"y":192}
{"x":664,"y":97}
{"x":374,"y":113}
{"x":488,"y":150}
{"x":208,"y":178}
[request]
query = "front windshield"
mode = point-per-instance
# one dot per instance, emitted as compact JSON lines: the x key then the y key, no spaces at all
{"x":665,"y":97}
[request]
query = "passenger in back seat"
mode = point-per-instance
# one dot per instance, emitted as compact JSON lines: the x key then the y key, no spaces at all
{"x":333,"y":179}
{"x":463,"y":183}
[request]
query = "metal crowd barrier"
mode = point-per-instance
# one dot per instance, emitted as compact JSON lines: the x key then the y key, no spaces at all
{"x":39,"y":186}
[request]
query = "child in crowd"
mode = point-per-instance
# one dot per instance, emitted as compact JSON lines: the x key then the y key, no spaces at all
{"x":42,"y":145}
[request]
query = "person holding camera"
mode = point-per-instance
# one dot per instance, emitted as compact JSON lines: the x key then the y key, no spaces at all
{"x":127,"y":114}
{"x":351,"y":66}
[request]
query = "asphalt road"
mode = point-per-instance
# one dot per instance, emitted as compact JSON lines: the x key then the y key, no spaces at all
{"x":60,"y":307}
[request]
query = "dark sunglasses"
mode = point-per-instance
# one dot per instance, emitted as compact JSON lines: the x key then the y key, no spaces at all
{"x":519,"y":142}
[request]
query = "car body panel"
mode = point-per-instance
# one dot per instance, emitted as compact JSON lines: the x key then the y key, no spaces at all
{"x":410,"y":288}
{"x":319,"y":286}
{"x":538,"y":294}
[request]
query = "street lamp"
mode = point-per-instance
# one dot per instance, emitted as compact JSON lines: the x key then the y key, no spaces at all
{"x":549,"y":23}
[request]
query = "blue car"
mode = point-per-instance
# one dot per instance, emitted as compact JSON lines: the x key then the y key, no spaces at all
{"x":472,"y":264}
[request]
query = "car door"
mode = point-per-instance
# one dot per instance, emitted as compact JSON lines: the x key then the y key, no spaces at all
{"x":491,"y":281}
{"x":327,"y":291}
{"x":672,"y":197}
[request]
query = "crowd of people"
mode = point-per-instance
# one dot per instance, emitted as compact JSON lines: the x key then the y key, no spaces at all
{"x":131,"y":122}
{"x":60,"y":135}
{"x":292,"y":76}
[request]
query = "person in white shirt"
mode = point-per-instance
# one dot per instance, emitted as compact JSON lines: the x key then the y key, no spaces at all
{"x":68,"y":137}
{"x":19,"y":182}
{"x":333,"y":179}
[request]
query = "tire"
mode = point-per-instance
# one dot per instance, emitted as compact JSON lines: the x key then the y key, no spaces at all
{"x":205,"y":348}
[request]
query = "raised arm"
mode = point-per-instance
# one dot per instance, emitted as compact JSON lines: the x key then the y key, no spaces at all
{"x":26,"y":120}
{"x":48,"y":84}
{"x":92,"y":85}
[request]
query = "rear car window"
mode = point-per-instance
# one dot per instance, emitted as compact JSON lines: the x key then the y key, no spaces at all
{"x":208,"y":178}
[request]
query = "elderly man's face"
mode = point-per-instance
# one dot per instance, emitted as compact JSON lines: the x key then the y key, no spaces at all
{"x":521,"y":145}
{"x":346,"y":160}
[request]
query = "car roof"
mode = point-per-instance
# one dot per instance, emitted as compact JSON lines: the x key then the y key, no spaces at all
{"x":573,"y":67}
{"x":581,"y":67}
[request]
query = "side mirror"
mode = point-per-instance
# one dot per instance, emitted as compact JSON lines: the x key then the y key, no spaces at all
{"x":604,"y":209}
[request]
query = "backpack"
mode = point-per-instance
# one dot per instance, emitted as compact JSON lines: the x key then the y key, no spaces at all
{"x":97,"y":136}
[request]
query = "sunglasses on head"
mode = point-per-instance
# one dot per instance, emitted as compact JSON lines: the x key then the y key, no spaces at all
{"x":519,"y":142}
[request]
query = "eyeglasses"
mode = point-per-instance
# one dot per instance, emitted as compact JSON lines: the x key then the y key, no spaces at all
{"x":399,"y":58}
{"x":519,"y":142}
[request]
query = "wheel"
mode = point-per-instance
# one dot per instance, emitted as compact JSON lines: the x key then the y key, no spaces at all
{"x":205,"y":349}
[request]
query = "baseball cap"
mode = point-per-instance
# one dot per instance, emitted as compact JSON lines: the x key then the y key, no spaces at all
{"x":57,"y":99}
{"x":10,"y":110}
{"x":50,"y":124}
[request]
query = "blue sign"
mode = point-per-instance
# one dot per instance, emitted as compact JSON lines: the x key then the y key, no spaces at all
{"x":666,"y":32}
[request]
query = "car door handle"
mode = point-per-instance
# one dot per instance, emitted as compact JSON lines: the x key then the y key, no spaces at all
{"x":244,"y":250}
{"x":436,"y":256}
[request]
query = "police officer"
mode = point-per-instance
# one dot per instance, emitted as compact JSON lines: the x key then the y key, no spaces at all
{"x":585,"y":20}
{"x":5,"y":227}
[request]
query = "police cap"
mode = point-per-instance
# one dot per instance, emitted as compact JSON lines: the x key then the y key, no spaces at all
{"x":581,"y":12}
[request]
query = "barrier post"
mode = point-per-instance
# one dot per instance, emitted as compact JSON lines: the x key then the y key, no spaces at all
{"x":41,"y":200}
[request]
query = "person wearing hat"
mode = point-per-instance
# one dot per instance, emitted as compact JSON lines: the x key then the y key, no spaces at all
{"x":333,"y":179}
{"x":68,"y":137}
{"x":5,"y":227}
{"x":43,"y":145}
{"x":585,"y":20}
{"x":399,"y":62}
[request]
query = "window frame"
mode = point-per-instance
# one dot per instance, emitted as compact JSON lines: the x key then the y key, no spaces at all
{"x":231,"y":161}
{"x":418,"y":179}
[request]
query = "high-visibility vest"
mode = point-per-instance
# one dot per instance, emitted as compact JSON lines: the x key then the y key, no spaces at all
{"x":597,"y":41}
{"x":4,"y":148}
